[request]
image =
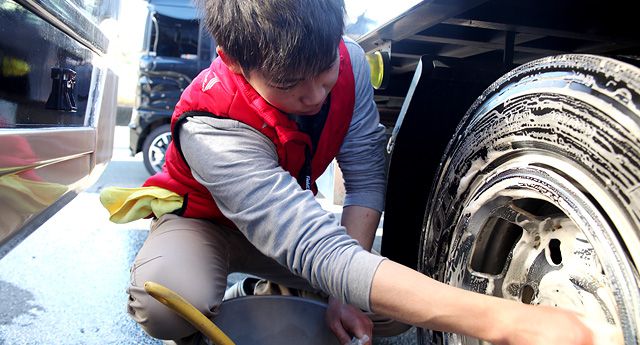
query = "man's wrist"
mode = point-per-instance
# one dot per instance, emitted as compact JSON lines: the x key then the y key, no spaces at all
{"x":496,"y":328}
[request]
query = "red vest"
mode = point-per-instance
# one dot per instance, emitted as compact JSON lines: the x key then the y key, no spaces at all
{"x":219,"y":92}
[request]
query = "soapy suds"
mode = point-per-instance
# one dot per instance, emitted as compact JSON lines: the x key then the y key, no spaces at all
{"x":542,"y":111}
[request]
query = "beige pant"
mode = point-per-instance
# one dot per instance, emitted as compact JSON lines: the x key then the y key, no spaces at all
{"x":193,"y":257}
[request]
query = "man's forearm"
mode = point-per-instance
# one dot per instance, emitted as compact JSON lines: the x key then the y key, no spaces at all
{"x":408,"y":296}
{"x":425,"y":302}
{"x":361,"y":223}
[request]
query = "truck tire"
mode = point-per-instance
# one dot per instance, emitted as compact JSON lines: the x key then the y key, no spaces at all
{"x":154,"y":147}
{"x":537,"y":198}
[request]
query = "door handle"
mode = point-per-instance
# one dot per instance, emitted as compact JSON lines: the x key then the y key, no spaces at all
{"x":61,"y":96}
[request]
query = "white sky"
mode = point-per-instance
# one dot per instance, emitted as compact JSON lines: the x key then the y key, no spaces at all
{"x":380,"y":10}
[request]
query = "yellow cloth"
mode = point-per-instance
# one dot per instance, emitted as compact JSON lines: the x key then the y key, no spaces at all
{"x":129,"y":204}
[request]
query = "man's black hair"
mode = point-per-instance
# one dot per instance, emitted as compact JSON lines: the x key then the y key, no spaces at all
{"x":283,"y":39}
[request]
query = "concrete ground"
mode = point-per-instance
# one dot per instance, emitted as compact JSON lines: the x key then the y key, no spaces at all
{"x":65,"y":284}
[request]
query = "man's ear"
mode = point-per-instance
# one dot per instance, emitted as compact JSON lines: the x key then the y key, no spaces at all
{"x":233,"y":65}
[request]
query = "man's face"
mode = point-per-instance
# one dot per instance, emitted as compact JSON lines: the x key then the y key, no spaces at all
{"x":296,"y":96}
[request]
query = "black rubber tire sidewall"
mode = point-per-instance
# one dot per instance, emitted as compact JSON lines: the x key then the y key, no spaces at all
{"x":156,"y":132}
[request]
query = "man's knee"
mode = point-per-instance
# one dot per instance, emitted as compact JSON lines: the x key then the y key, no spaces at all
{"x":159,"y":321}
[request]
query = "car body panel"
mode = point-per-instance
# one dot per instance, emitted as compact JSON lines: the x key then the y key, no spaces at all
{"x":49,"y":155}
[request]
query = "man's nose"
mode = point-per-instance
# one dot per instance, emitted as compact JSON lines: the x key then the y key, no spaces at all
{"x":314,"y":94}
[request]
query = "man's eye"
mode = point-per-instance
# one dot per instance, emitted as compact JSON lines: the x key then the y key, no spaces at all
{"x":284,"y":87}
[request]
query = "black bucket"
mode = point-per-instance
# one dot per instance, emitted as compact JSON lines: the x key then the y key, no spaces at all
{"x":275,"y":320}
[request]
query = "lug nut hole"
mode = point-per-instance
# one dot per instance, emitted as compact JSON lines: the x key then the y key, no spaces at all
{"x":554,"y":251}
{"x":527,"y":294}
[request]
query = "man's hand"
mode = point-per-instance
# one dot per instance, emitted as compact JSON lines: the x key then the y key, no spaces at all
{"x":531,"y":325}
{"x":547,"y":325}
{"x":347,"y":321}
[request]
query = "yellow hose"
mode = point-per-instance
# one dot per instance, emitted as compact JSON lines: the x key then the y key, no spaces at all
{"x":187,"y":311}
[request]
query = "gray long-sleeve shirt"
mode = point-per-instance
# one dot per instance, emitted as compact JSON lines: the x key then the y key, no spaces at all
{"x":239,"y":166}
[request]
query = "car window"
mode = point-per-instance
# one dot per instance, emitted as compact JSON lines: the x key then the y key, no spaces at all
{"x":174,"y":37}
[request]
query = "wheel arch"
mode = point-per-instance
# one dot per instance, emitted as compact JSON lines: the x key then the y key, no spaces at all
{"x":438,"y":97}
{"x":148,"y":129}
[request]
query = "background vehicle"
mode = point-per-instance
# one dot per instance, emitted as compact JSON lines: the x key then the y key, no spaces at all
{"x":57,"y":108}
{"x":525,"y":186}
{"x":176,"y":49}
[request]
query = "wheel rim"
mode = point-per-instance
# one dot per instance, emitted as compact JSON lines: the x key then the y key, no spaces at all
{"x":157,"y":150}
{"x":529,"y":234}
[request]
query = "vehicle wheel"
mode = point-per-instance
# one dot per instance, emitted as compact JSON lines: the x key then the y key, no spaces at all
{"x":154,"y":147}
{"x":537,"y":198}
